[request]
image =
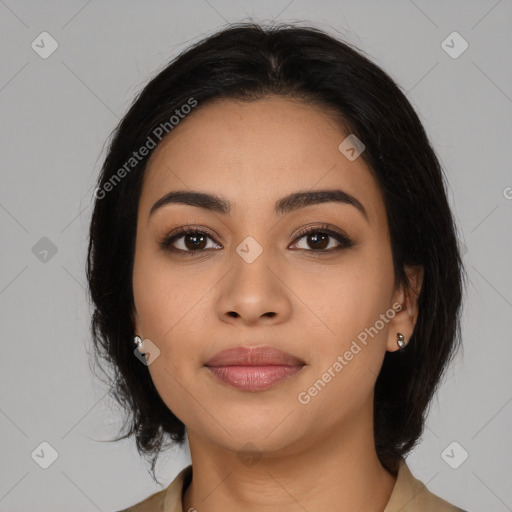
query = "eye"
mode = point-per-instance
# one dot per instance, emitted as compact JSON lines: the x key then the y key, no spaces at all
{"x":318,"y":239}
{"x":189,"y":240}
{"x":194,"y":240}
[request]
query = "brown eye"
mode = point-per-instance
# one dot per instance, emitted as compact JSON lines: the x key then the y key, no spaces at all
{"x":320,"y":239}
{"x":194,"y":242}
{"x":187,"y":240}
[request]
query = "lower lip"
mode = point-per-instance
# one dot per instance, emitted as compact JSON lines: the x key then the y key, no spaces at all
{"x":253,"y":378}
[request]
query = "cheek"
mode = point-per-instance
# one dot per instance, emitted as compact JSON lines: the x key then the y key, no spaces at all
{"x":163,"y":295}
{"x":171,"y":307}
{"x":348,"y":354}
{"x":344,"y":298}
{"x":349,"y":307}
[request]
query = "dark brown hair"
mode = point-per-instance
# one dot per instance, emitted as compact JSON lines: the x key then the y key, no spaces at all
{"x":248,"y":61}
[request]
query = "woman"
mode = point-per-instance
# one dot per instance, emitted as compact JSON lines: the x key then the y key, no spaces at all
{"x":271,"y":229}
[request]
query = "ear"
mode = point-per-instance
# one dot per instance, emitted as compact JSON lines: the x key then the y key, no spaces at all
{"x":136,"y":323}
{"x":405,"y":319}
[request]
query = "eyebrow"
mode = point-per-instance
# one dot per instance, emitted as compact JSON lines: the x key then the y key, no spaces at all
{"x":284,"y":205}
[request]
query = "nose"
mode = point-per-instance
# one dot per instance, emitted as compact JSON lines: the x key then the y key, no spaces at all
{"x":254,"y":293}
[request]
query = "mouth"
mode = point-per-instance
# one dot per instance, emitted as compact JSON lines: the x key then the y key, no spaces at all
{"x":253,"y":368}
{"x":253,"y":378}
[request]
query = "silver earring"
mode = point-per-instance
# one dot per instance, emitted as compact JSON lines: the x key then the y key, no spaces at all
{"x":400,"y":340}
{"x":139,"y":342}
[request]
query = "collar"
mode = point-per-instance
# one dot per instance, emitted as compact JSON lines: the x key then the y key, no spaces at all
{"x":408,"y":495}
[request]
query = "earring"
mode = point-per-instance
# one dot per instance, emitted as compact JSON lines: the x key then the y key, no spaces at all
{"x":400,"y":340}
{"x":139,"y":342}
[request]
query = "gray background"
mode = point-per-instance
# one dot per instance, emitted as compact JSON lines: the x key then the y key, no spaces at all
{"x":56,"y":115}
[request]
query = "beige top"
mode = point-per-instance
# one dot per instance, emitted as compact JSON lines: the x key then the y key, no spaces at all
{"x":408,"y":495}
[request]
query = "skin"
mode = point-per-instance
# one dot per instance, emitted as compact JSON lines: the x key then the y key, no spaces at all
{"x":307,"y":456}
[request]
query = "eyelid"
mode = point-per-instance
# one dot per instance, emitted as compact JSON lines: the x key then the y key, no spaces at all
{"x":326,"y":228}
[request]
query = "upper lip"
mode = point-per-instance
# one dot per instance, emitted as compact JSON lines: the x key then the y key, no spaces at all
{"x":253,"y":356}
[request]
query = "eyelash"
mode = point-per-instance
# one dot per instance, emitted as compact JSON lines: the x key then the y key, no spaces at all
{"x":344,"y":240}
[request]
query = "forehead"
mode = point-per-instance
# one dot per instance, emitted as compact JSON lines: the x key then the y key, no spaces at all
{"x":254,"y":153}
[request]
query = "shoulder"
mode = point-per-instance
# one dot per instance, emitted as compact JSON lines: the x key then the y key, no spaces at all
{"x":166,"y":500}
{"x":411,"y":495}
{"x":153,"y":503}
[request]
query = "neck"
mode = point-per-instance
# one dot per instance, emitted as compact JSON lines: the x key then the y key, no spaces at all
{"x":340,"y":470}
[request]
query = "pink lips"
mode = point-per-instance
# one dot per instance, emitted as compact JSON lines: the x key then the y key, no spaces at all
{"x":253,"y":368}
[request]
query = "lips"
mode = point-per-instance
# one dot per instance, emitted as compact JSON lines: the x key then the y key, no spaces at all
{"x":253,"y":356}
{"x":253,"y":368}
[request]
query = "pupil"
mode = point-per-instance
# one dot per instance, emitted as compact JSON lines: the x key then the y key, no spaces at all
{"x":315,"y":239}
{"x":194,"y":239}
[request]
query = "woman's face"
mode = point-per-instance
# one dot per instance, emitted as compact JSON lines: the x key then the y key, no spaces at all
{"x":255,"y":280}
